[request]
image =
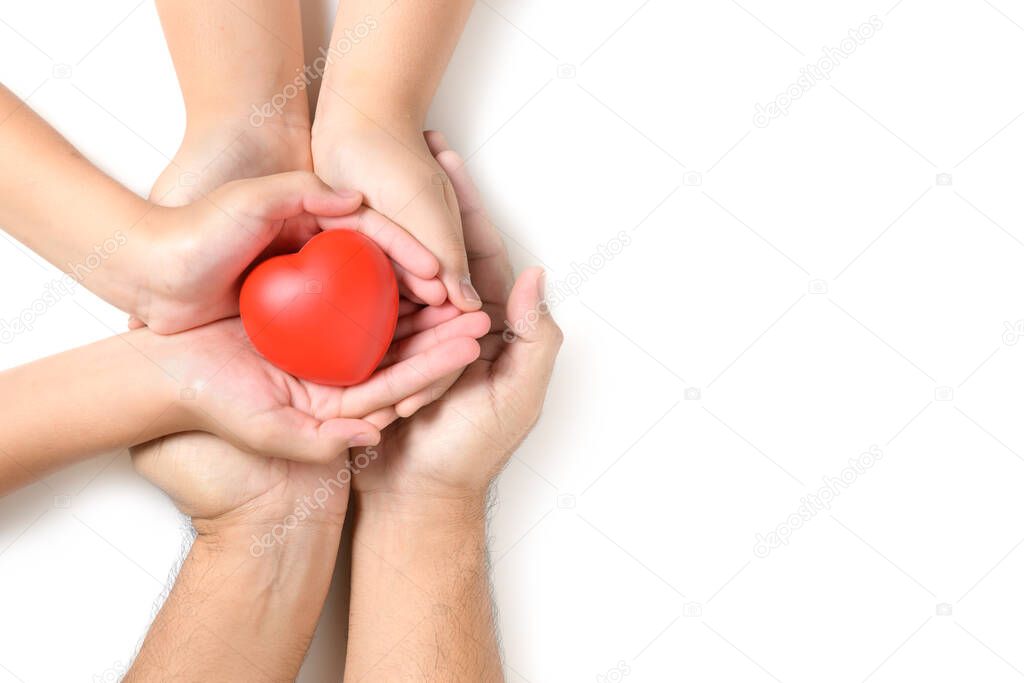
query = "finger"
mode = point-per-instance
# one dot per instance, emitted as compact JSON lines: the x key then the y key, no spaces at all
{"x":424,"y":319}
{"x":432,"y":212}
{"x":286,"y":195}
{"x":399,"y":245}
{"x":408,"y":407}
{"x":406,"y":307}
{"x":291,"y":434}
{"x":523,"y":368}
{"x":392,"y":384}
{"x":471,"y":325}
{"x":135,"y":323}
{"x":436,"y":141}
{"x":486,"y":253}
{"x":382,"y":418}
{"x":413,"y":299}
{"x":430,"y":291}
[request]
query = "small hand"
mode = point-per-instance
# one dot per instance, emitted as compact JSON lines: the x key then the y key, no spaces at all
{"x":194,"y":257}
{"x":399,"y":177}
{"x":242,"y":398}
{"x":454,"y":447}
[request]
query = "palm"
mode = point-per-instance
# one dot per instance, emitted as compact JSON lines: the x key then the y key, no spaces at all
{"x":440,"y":447}
{"x":244,"y":384}
{"x":208,"y":478}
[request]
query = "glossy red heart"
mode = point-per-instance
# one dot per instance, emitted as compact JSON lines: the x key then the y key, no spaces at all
{"x":327,"y":313}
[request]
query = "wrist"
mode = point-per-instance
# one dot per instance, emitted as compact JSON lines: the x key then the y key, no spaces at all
{"x":275,"y":138}
{"x":148,"y":244}
{"x":280,"y":540}
{"x":347,"y":111}
{"x":440,"y":514}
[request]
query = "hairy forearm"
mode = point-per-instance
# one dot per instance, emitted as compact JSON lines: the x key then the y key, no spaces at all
{"x":236,"y":615}
{"x":96,"y":398}
{"x":421,"y":605}
{"x":397,"y":53}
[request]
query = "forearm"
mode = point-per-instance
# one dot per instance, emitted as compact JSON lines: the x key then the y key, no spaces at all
{"x":235,"y":615}
{"x":391,"y":73}
{"x":96,"y":398}
{"x":233,"y":57}
{"x":421,"y":603}
{"x":64,"y":208}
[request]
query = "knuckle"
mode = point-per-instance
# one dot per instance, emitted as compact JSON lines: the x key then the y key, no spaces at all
{"x":555,"y":335}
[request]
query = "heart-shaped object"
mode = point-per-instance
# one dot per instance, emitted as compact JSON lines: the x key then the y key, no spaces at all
{"x":326,"y":313}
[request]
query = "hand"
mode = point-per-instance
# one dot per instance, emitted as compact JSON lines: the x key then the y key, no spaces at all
{"x":399,"y":177}
{"x":220,"y":486}
{"x":210,"y":479}
{"x":453,"y":448}
{"x":242,"y":398}
{"x":191,"y":259}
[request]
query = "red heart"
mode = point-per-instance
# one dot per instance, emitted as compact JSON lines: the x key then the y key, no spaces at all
{"x":327,"y":313}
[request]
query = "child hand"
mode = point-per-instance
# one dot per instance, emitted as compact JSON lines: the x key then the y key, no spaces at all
{"x":242,"y":398}
{"x":191,"y":259}
{"x":400,"y":178}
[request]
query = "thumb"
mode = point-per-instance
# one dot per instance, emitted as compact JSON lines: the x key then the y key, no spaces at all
{"x":288,"y":195}
{"x":293,"y":435}
{"x":523,"y":369}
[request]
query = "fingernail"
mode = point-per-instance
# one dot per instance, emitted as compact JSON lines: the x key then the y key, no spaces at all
{"x":347,"y":194}
{"x":365,"y":439}
{"x":469,"y":291}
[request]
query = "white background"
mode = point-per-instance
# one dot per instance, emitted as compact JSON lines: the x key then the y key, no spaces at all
{"x":811,"y":279}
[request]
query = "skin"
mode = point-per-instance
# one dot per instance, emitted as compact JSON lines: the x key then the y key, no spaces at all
{"x":179,"y":267}
{"x":209,"y":379}
{"x":208,"y":594}
{"x":376,"y":90}
{"x":420,"y":604}
{"x":372,"y":109}
{"x":208,"y":41}
{"x":176,"y":268}
{"x":263,"y":597}
{"x":232,"y":495}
